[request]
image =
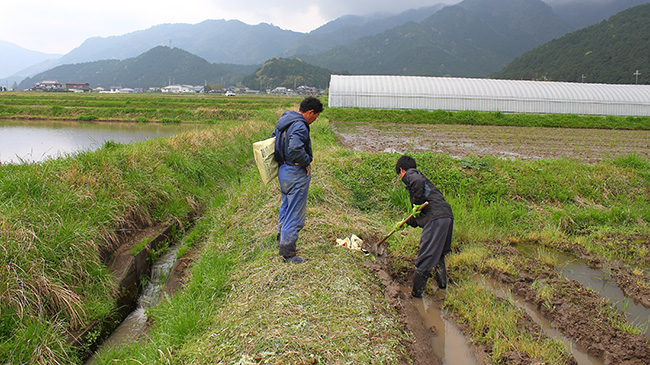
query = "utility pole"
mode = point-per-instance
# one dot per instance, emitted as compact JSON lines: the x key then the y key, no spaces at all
{"x":637,"y":74}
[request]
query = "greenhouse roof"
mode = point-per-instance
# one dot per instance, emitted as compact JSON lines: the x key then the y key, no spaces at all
{"x":419,"y":92}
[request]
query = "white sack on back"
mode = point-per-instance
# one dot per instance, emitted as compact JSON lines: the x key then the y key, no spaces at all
{"x":264,"y":153}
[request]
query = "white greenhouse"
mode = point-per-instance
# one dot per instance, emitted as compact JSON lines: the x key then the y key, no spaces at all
{"x":508,"y":96}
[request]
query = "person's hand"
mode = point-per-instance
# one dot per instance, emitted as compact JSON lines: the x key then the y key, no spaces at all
{"x":308,"y":168}
{"x":399,"y":226}
{"x":416,"y":210}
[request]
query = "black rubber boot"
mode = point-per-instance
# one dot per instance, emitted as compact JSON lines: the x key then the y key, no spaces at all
{"x":420,"y":279}
{"x":295,"y":259}
{"x":441,"y":274}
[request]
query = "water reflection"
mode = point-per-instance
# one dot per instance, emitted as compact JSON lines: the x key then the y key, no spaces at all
{"x":579,"y":353}
{"x":29,"y":142}
{"x":600,"y":281}
{"x":449,"y":344}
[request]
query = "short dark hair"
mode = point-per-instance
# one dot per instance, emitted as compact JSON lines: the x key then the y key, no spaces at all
{"x":405,"y":162}
{"x":311,"y":103}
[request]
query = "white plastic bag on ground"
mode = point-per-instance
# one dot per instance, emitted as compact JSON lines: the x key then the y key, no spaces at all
{"x":264,"y":153}
{"x":353,"y":242}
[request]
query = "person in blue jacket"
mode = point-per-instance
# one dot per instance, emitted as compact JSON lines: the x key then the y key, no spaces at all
{"x":293,"y":153}
{"x":436,"y":220}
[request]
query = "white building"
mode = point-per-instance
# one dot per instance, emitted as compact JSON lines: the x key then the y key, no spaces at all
{"x":508,"y":96}
{"x":182,"y":89}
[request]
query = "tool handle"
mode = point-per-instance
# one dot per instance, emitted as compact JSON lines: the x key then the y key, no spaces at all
{"x":401,"y":224}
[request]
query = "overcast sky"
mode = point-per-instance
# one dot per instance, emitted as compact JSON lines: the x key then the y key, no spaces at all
{"x":59,"y":26}
{"x":53,"y":26}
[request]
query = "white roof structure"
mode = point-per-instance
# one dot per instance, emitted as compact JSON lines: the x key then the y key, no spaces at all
{"x":508,"y":96}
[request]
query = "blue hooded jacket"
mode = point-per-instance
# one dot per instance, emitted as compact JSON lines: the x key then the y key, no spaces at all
{"x":294,"y":146}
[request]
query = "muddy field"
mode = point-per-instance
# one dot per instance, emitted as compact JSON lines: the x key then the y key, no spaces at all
{"x":577,"y":313}
{"x":531,"y":143}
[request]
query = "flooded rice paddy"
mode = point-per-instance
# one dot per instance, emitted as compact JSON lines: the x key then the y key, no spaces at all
{"x":35,"y":141}
{"x":530,"y":143}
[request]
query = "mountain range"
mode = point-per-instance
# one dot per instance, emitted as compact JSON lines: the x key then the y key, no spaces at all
{"x":473,"y":38}
{"x":611,"y":51}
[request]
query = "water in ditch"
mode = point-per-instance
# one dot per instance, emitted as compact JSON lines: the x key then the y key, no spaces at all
{"x":135,"y":323}
{"x":579,"y":354}
{"x":448,"y":344}
{"x":600,"y":281}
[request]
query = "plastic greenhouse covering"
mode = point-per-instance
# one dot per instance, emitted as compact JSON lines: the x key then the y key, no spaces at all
{"x":508,"y":96}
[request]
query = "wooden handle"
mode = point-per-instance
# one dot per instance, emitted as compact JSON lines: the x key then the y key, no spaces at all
{"x":399,"y":225}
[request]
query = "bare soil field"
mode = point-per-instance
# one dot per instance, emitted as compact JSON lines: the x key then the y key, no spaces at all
{"x":531,"y":143}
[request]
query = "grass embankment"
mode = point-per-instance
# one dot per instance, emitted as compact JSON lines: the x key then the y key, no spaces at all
{"x":244,"y":305}
{"x":57,"y":216}
{"x":142,"y":108}
{"x":471,"y":117}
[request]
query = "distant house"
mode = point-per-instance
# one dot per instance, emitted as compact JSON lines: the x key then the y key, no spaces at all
{"x":182,"y":89}
{"x":48,"y":85}
{"x":280,"y":90}
{"x":80,"y":87}
{"x":307,"y":90}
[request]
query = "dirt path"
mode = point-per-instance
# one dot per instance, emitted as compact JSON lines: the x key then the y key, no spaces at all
{"x":533,"y":143}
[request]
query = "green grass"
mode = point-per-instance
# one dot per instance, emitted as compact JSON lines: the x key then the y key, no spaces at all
{"x":242,"y":303}
{"x":495,"y":322}
{"x":488,"y":118}
{"x":137,"y":248}
{"x":58,"y":216}
{"x":330,"y":309}
{"x":137,"y":107}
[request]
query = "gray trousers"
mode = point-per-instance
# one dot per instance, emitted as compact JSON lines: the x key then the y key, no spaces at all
{"x":435,"y":243}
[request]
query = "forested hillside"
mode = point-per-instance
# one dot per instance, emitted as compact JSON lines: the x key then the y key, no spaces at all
{"x":289,"y":73}
{"x":154,"y":68}
{"x":473,"y":38}
{"x":609,"y":52}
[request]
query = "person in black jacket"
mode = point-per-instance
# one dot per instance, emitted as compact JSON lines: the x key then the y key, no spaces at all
{"x":437,"y":221}
{"x":293,"y":153}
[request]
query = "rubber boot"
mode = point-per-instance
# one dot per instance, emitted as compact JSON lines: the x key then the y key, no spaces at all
{"x":295,"y":259}
{"x":441,"y":274}
{"x":420,"y":279}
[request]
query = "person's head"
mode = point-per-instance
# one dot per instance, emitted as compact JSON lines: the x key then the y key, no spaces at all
{"x":404,"y":163}
{"x":310,"y":108}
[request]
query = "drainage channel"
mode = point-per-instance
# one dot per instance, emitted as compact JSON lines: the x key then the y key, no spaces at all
{"x":600,"y":281}
{"x":579,"y":353}
{"x":135,"y":323}
{"x":448,"y":338}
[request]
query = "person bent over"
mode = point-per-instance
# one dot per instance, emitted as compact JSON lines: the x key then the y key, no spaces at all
{"x":436,"y":220}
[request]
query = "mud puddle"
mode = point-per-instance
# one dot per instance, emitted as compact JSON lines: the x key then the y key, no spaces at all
{"x":447,"y":339}
{"x":600,"y":281}
{"x":135,"y":323}
{"x":579,"y":353}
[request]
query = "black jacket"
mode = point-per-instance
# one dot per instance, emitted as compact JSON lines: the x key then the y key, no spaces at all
{"x":422,"y":190}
